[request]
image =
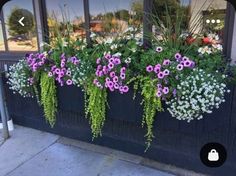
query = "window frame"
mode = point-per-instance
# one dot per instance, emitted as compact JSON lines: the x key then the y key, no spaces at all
{"x":12,"y":55}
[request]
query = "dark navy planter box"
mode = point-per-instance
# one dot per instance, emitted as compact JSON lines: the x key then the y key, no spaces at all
{"x":176,"y":142}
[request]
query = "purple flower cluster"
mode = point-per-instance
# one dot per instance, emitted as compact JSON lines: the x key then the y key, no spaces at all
{"x":61,"y":73}
{"x":183,"y":62}
{"x":163,"y":71}
{"x":110,"y":74}
{"x":36,"y":61}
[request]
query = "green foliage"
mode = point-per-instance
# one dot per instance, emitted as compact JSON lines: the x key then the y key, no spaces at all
{"x":96,"y":108}
{"x":48,"y":98}
{"x":151,"y":104}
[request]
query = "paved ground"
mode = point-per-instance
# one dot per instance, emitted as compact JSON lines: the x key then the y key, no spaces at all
{"x":31,"y":152}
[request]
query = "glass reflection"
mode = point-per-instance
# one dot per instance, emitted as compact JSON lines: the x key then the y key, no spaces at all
{"x":65,"y":18}
{"x":111,"y":17}
{"x":20,"y":37}
{"x":2,"y":47}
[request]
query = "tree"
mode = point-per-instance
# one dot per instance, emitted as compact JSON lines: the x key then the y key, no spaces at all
{"x":15,"y":28}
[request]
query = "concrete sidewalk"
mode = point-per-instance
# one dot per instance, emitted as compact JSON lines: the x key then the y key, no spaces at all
{"x":31,"y":152}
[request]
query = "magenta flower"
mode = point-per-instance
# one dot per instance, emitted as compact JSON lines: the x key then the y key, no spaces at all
{"x":117,"y":61}
{"x":159,"y":86}
{"x":100,"y":74}
{"x":125,"y":89}
{"x":107,"y":56}
{"x":159,"y":49}
{"x":50,"y":74}
{"x":178,"y":56}
{"x":111,"y":60}
{"x":187,"y":63}
{"x":166,"y":62}
{"x":116,"y":86}
{"x":185,"y":58}
{"x":166,"y":72}
{"x":158,"y":94}
{"x":157,"y":68}
{"x":149,"y":68}
{"x":192,"y":64}
{"x":122,"y":70}
{"x":110,"y":84}
{"x":160,"y":75}
{"x":57,"y":71}
{"x":115,"y":79}
{"x":122,"y":75}
{"x":165,"y":90}
{"x":53,"y":67}
{"x":107,"y":79}
{"x":180,"y":67}
{"x":110,"y":65}
{"x":98,"y":61}
{"x":112,"y":74}
{"x":95,"y":81}
{"x":69,"y":82}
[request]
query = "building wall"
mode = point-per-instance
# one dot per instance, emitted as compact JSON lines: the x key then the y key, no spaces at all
{"x":198,"y":6}
{"x":233,"y":51}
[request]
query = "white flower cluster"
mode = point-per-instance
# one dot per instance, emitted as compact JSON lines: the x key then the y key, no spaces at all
{"x":199,"y":93}
{"x":19,"y":79}
{"x":210,"y":49}
{"x":79,"y":73}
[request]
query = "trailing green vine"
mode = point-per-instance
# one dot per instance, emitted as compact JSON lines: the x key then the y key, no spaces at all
{"x":48,"y":98}
{"x":152,"y":104}
{"x":96,"y":108}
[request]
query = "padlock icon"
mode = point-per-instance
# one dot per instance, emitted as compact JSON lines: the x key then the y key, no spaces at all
{"x":213,"y":155}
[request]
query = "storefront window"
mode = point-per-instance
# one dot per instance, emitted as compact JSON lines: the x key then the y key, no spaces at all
{"x":111,"y":17}
{"x":65,"y":18}
{"x":2,"y":47}
{"x":189,"y":18}
{"x":20,"y":26}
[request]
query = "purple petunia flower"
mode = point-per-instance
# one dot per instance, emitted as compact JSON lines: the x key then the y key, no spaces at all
{"x":57,"y":71}
{"x":159,"y":86}
{"x":185,"y":58}
{"x":166,"y":62}
{"x":116,"y":86}
{"x":158,"y":94}
{"x":98,"y":61}
{"x":110,"y":65}
{"x":157,"y":68}
{"x":178,"y":57}
{"x":166,"y":72}
{"x":107,"y":56}
{"x":180,"y":67}
{"x":111,"y":60}
{"x":117,"y":61}
{"x":50,"y":74}
{"x":110,"y":84}
{"x":100,"y":73}
{"x":115,"y":79}
{"x":192,"y":64}
{"x":149,"y":68}
{"x":95,"y":81}
{"x":63,"y":64}
{"x":122,"y":70}
{"x":107,"y":79}
{"x":69,"y":82}
{"x":174,"y":92}
{"x":125,"y":89}
{"x":187,"y":63}
{"x":112,"y":74}
{"x":165,"y":90}
{"x":160,"y":75}
{"x":159,"y":49}
{"x":122,"y":75}
{"x":53,"y":67}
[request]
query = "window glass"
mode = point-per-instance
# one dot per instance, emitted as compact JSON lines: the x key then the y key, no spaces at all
{"x":65,"y":18}
{"x":111,"y":17}
{"x":2,"y":47}
{"x":21,"y":36}
{"x":195,"y":17}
